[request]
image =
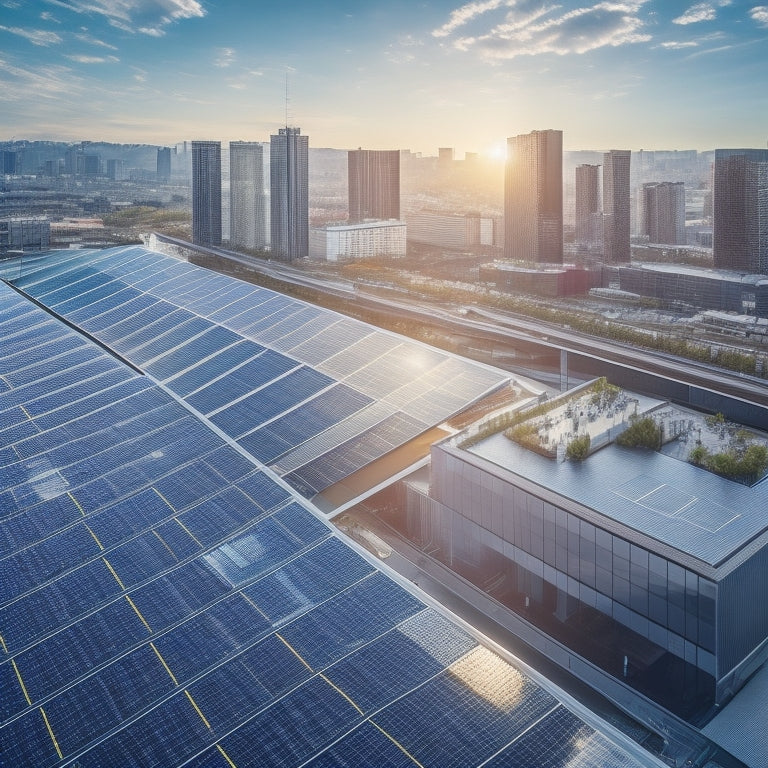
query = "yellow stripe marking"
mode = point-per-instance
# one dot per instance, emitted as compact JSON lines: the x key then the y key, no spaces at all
{"x":113,"y":572}
{"x":187,"y":531}
{"x":162,"y":661}
{"x":76,"y":503}
{"x":225,"y":756}
{"x":197,"y":709}
{"x":138,"y":613}
{"x":165,"y":544}
{"x":248,"y":599}
{"x":338,"y":690}
{"x":50,"y":733}
{"x":21,"y":682}
{"x":293,"y":651}
{"x":95,"y":537}
{"x":163,"y":498}
{"x":2,"y":642}
{"x":397,"y":744}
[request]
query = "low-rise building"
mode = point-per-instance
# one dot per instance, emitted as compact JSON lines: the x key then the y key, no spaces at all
{"x":364,"y":240}
{"x":32,"y":233}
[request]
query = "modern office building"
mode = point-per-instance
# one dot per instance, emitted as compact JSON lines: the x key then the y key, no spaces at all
{"x":9,"y":164}
{"x":533,"y":197}
{"x":588,"y":212}
{"x":363,"y":240}
{"x":740,"y":208}
{"x":635,"y":567}
{"x":663,"y":212}
{"x":616,"y":206}
{"x":247,"y":195}
{"x":289,"y":194}
{"x":374,"y":184}
{"x":545,"y":280}
{"x":116,"y":169}
{"x":206,"y":192}
{"x":457,"y":231}
{"x":163,"y":164}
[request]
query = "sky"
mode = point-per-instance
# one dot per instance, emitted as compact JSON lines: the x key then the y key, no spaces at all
{"x":405,"y":74}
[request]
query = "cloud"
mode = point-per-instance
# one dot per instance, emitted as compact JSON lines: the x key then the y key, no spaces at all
{"x":760,"y":14}
{"x":48,"y":16}
{"x":224,"y":58}
{"x":47,"y":82}
{"x":82,"y":59}
{"x":148,"y":17}
{"x":530,"y":28}
{"x":701,"y":12}
{"x":674,"y":45}
{"x":84,"y":37}
{"x":35,"y":36}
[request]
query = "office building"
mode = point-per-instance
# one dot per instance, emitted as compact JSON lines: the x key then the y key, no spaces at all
{"x":740,"y":203}
{"x":663,"y":212}
{"x":445,"y":156}
{"x":206,"y":192}
{"x":247,"y":195}
{"x":163,"y":164}
{"x":633,"y":566}
{"x":9,"y":162}
{"x":533,"y":197}
{"x":616,"y":206}
{"x":289,"y":194}
{"x":458,"y":231}
{"x":116,"y":170}
{"x":363,"y":240}
{"x":588,"y":211}
{"x":374,"y":184}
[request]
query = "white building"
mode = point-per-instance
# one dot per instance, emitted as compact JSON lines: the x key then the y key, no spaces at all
{"x":450,"y":230}
{"x":336,"y":242}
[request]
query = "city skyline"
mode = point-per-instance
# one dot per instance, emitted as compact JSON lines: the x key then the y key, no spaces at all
{"x":636,"y":73}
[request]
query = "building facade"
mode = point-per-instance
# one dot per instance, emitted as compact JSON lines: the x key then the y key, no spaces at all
{"x":587,"y":204}
{"x":374,"y":184}
{"x":32,"y":233}
{"x":163,"y":164}
{"x":206,"y":192}
{"x":358,"y":241}
{"x":247,"y":195}
{"x":616,"y":206}
{"x":289,"y":194}
{"x":740,"y":209}
{"x":450,"y":230}
{"x":533,"y":197}
{"x":663,"y":212}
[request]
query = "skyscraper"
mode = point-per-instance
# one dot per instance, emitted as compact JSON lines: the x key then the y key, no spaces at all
{"x":163,"y":163}
{"x":588,"y":216}
{"x":533,"y":197}
{"x":247,"y":193}
{"x":663,"y":208}
{"x":289,"y":190}
{"x":616,"y":215}
{"x":374,"y":184}
{"x":206,"y":192}
{"x":740,"y":203}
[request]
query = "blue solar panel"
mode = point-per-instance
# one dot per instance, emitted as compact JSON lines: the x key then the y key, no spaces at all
{"x":192,"y":352}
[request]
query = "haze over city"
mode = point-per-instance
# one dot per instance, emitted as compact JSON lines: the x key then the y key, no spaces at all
{"x":638,"y":73}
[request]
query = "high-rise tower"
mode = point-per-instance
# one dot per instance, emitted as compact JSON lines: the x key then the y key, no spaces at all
{"x":374,"y":184}
{"x":247,"y":194}
{"x":533,"y":197}
{"x":616,"y":213}
{"x":740,"y":203}
{"x":289,"y":190}
{"x":588,"y":216}
{"x":206,"y":192}
{"x":663,"y":208}
{"x":163,"y":164}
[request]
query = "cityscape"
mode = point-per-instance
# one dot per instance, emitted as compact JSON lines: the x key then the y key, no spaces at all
{"x":346,"y":422}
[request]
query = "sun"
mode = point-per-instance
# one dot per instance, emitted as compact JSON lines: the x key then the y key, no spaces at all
{"x":497,"y":152}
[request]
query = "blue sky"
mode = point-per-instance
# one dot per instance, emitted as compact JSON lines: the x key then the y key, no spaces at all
{"x":615,"y":74}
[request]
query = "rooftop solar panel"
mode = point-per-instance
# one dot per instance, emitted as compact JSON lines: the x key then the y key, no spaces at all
{"x":165,"y":601}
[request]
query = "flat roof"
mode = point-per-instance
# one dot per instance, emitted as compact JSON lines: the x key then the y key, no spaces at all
{"x":686,"y":507}
{"x":725,"y":275}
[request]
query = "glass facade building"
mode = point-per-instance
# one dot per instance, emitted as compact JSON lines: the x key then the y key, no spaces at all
{"x":206,"y":192}
{"x":289,"y":190}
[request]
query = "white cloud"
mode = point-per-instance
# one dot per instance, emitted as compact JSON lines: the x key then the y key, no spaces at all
{"x":35,"y":36}
{"x":48,"y":16}
{"x":760,"y":14}
{"x":462,"y":15}
{"x":225,"y":57}
{"x":529,"y":28}
{"x":82,"y":59}
{"x":48,"y":82}
{"x":676,"y":45}
{"x":84,"y":37}
{"x":147,"y":17}
{"x":697,"y":13}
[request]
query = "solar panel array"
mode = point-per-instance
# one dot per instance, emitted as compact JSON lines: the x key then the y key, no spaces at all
{"x":166,"y":601}
{"x":290,"y":382}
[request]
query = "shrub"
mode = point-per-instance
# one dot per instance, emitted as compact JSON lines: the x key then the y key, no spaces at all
{"x":578,"y":448}
{"x":642,"y":432}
